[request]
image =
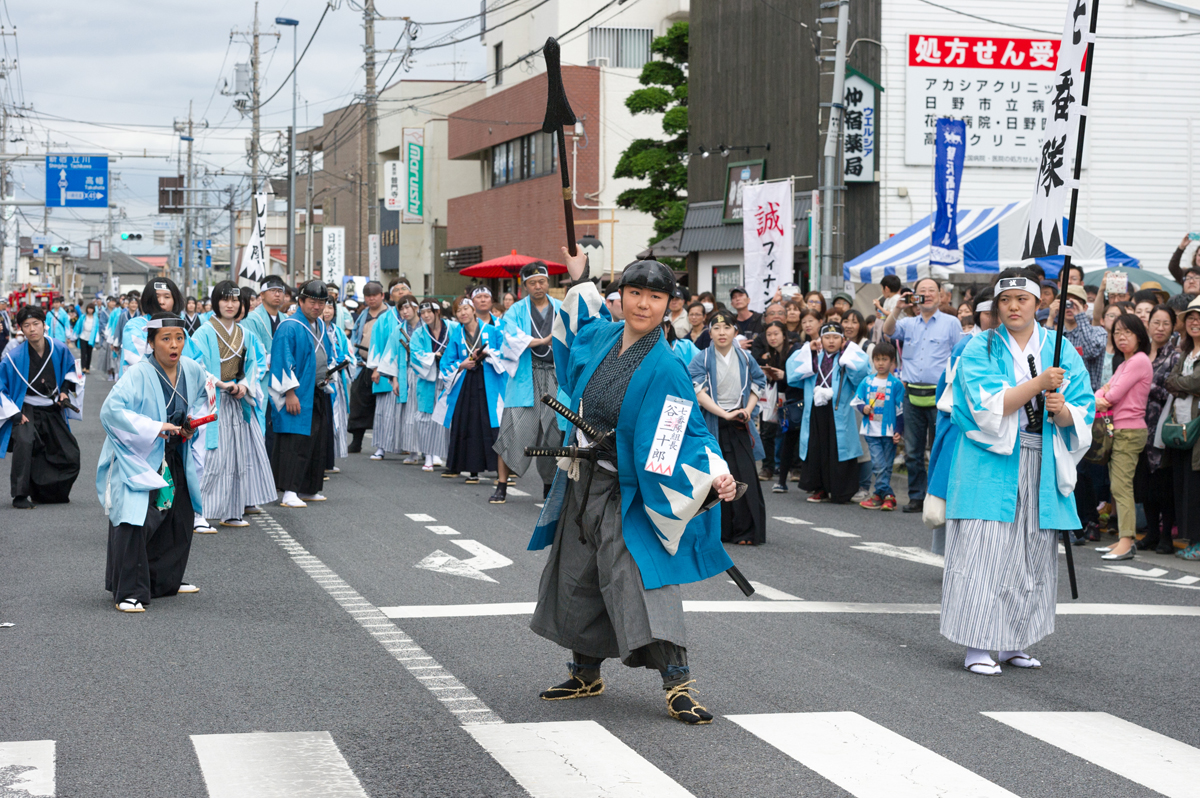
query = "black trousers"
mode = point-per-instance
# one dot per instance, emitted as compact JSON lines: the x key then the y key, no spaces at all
{"x":362,"y":403}
{"x":299,"y":460}
{"x":45,"y":456}
{"x":85,"y":354}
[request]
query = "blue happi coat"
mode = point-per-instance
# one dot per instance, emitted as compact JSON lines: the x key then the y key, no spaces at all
{"x":96,"y":325}
{"x":517,"y":327}
{"x":14,"y":371}
{"x":890,"y":413}
{"x":850,"y":368}
{"x":685,"y":350}
{"x":294,"y":367}
{"x":132,"y":417}
{"x":258,"y":321}
{"x":379,"y":352}
{"x":254,"y":402}
{"x":494,"y":375}
{"x":424,"y":363}
{"x":341,"y":351}
{"x":945,"y":437}
{"x":671,"y":540}
{"x":986,"y":469}
{"x":58,"y":323}
{"x":703,"y":371}
{"x":395,"y":360}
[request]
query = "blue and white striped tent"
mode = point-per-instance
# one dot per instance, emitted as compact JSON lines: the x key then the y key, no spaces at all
{"x":992,"y":240}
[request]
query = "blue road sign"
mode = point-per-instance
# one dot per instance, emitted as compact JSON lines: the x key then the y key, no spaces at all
{"x":77,"y":181}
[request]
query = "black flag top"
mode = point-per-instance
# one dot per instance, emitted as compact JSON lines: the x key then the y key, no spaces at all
{"x":1043,"y":236}
{"x":558,"y":109}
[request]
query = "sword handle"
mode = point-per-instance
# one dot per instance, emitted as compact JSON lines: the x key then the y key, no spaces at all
{"x":555,"y":451}
{"x":1033,"y":410}
{"x":571,"y":416}
{"x":741,"y":581}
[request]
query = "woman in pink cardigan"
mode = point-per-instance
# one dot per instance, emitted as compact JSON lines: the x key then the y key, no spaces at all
{"x":1125,"y":397}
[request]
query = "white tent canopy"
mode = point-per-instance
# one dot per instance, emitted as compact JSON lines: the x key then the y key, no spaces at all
{"x":992,"y":239}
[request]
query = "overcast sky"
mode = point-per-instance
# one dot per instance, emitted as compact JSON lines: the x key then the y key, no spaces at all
{"x":134,"y":65}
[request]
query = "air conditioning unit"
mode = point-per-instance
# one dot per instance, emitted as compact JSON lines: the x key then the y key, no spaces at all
{"x":601,"y":62}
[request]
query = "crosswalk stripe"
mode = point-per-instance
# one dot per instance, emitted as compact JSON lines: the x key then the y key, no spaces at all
{"x":865,"y":759}
{"x":27,"y":768}
{"x":277,"y":765}
{"x":515,"y":492}
{"x":787,"y":519}
{"x":833,"y":533}
{"x":1148,"y":758}
{"x":442,"y":530}
{"x":581,"y":759}
{"x":420,"y":517}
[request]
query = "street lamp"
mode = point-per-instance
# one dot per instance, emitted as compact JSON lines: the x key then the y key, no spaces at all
{"x":291,"y":222}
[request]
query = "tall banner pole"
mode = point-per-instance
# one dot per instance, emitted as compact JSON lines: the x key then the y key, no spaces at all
{"x":1075,"y":54}
{"x":558,"y":114}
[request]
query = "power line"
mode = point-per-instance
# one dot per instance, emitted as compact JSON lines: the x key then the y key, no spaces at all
{"x":1047,"y":32}
{"x":529,"y":10}
{"x":298,"y":60}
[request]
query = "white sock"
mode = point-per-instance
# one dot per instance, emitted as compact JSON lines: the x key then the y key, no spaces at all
{"x":199,"y":520}
{"x":289,"y":497}
{"x":1005,"y":656}
{"x":429,"y":460}
{"x":379,"y":452}
{"x":978,"y":656}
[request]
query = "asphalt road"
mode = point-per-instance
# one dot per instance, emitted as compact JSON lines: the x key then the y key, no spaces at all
{"x":319,"y":659}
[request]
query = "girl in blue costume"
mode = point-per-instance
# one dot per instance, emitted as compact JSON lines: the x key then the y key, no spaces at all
{"x":146,"y":479}
{"x":382,"y":370}
{"x":945,"y":439}
{"x":341,"y":386}
{"x":1011,"y":484}
{"x":87,"y":332}
{"x":629,"y":527}
{"x":728,"y":385}
{"x":160,"y":295}
{"x":237,"y":472}
{"x":474,"y":394}
{"x":428,"y":344}
{"x":405,"y":435}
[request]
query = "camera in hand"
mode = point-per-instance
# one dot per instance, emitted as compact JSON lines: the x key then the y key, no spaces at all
{"x":916,"y":299}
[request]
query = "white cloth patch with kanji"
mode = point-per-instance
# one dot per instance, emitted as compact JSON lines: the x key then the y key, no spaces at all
{"x":668,"y":436}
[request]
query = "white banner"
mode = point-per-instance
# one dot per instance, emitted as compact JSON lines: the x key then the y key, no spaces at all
{"x":254,"y":255}
{"x":393,"y":185}
{"x":1043,"y":236}
{"x":858,"y":130}
{"x":333,"y":247}
{"x":373,"y":256}
{"x":767,"y":238}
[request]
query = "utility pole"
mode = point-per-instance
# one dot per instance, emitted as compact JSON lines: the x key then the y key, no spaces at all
{"x":5,"y":211}
{"x":188,"y":253}
{"x":108,"y":290}
{"x":308,"y":219}
{"x":254,"y":97}
{"x":370,"y":119}
{"x":232,"y":237}
{"x":830,"y":173}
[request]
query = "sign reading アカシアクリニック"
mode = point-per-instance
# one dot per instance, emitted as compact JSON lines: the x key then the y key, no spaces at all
{"x":413,"y":153}
{"x":1001,"y":88}
{"x":859,"y":125}
{"x":77,"y":181}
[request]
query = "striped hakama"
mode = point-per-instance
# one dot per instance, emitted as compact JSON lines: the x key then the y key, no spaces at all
{"x":532,"y":426}
{"x":341,"y":419}
{"x":237,"y":474}
{"x":384,"y":430}
{"x":428,"y":436}
{"x":404,"y":414}
{"x":1001,"y":580}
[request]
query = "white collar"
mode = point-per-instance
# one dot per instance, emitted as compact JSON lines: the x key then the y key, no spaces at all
{"x":1021,"y":355}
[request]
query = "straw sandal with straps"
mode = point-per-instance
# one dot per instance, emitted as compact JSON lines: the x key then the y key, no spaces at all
{"x":573,"y":688}
{"x":684,"y":708}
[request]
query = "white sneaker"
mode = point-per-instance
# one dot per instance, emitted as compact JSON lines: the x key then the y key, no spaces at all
{"x":861,"y":496}
{"x":313,"y":497}
{"x":186,"y":588}
{"x":290,"y":499}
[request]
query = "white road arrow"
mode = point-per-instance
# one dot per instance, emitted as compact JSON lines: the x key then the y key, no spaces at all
{"x":485,"y":559}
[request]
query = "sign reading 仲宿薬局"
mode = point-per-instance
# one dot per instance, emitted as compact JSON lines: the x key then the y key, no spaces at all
{"x":1001,"y":88}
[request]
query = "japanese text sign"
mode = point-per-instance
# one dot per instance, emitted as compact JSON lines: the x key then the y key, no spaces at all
{"x":333,"y":254}
{"x":947,"y":178}
{"x":858,"y":130}
{"x":668,"y":436}
{"x":767,"y":239}
{"x":1001,"y":88}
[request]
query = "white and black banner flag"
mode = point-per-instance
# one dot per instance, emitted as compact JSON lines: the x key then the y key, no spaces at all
{"x":1044,"y":235}
{"x":254,"y":256}
{"x":767,"y":239}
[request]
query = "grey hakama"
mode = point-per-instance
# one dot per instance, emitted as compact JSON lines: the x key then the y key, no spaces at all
{"x":341,"y":418}
{"x":385,"y":433}
{"x":406,"y":434}
{"x":591,"y":599}
{"x":237,"y":474}
{"x":1001,"y":581}
{"x":532,"y":426}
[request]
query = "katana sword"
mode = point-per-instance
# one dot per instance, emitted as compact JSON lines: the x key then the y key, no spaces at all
{"x":558,"y":114}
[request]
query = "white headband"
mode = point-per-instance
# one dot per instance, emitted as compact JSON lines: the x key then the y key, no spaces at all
{"x":1018,"y":284}
{"x":613,"y":296}
{"x":984,"y":307}
{"x":462,"y":303}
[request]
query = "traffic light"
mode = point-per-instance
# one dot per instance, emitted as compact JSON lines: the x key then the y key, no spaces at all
{"x":59,"y":250}
{"x":131,"y":236}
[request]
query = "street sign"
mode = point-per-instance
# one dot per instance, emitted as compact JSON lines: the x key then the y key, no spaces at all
{"x":39,"y":241}
{"x":162,"y":224}
{"x":76,"y":181}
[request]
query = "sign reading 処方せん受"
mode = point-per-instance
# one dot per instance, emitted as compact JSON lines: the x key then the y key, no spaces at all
{"x":1001,"y":88}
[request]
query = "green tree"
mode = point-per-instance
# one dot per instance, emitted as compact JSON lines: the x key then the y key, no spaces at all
{"x":660,"y":163}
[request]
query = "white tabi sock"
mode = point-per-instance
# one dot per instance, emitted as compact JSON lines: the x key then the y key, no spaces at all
{"x":429,"y":460}
{"x":1019,"y":659}
{"x":289,"y":497}
{"x":977,"y":656}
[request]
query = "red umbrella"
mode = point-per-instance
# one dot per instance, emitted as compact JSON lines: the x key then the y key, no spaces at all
{"x":507,"y":267}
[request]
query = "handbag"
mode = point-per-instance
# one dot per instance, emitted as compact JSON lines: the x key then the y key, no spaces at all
{"x":1180,"y":436}
{"x":1102,"y":440}
{"x":770,"y":404}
